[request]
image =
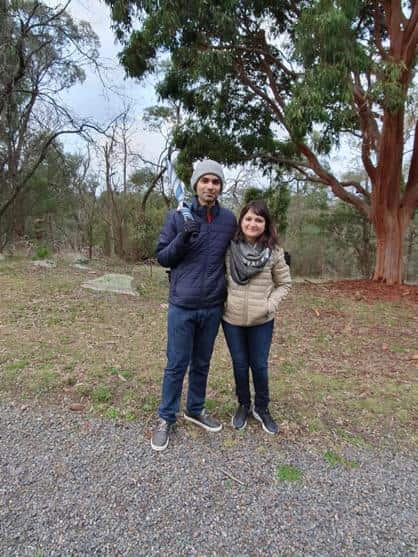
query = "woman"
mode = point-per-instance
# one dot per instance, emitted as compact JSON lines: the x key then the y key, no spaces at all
{"x":258,"y":279}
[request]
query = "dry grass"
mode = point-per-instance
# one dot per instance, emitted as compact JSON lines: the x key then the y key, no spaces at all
{"x":341,"y":367}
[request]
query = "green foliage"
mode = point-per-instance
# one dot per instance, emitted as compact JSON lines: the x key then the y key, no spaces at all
{"x":287,"y":473}
{"x":61,"y":209}
{"x":142,"y":179}
{"x":42,"y":252}
{"x":210,"y":404}
{"x":217,"y":67}
{"x":156,"y":116}
{"x":147,"y":229}
{"x":325,"y":237}
{"x":142,"y":227}
{"x":388,"y":90}
{"x":277,"y":199}
{"x":58,"y":206}
{"x":328,"y":238}
{"x":352,"y":234}
{"x":334,"y":459}
{"x":252,"y":194}
{"x":112,"y":413}
{"x":101,"y":394}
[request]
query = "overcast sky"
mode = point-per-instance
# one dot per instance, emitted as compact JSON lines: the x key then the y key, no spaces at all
{"x":91,"y":99}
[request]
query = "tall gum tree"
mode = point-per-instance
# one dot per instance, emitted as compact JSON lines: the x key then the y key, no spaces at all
{"x":42,"y":54}
{"x":281,"y":82}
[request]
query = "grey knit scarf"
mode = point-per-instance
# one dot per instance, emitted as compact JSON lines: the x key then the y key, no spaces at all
{"x":247,"y":260}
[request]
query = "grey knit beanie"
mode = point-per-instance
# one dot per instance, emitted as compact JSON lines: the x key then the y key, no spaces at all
{"x":207,"y":166}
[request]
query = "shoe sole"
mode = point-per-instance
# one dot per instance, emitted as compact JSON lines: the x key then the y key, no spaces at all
{"x":258,"y":417}
{"x":235,"y":427}
{"x":159,"y":447}
{"x":207,"y":428}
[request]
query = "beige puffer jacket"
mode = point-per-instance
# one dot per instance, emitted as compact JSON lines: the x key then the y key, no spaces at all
{"x":256,"y":302}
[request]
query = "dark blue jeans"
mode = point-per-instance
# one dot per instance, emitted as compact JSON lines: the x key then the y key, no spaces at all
{"x":191,"y":335}
{"x":250,"y":347}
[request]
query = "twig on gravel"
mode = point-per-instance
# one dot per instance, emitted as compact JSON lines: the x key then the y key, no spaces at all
{"x":232,"y":477}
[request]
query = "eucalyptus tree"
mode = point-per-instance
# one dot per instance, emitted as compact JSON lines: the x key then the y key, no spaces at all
{"x":42,"y":53}
{"x":281,"y":82}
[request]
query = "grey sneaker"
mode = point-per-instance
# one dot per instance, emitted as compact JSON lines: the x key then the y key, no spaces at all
{"x":161,"y":435}
{"x":264,"y":416}
{"x":239,"y":421}
{"x":203,"y":420}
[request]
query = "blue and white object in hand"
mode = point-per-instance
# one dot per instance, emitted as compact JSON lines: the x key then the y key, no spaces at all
{"x":179,"y":191}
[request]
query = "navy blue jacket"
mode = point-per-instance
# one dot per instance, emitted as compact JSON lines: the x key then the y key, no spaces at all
{"x":197,"y":277}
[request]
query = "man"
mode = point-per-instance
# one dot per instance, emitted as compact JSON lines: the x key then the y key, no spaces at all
{"x":194,"y":250}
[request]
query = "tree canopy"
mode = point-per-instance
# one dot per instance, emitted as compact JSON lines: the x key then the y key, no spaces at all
{"x":281,"y":82}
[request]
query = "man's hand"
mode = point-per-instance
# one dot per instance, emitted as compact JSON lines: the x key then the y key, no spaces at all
{"x":190,"y":230}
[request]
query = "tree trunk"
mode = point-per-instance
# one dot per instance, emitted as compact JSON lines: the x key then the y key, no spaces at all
{"x":389,"y":217}
{"x":109,"y":245}
{"x":410,"y":242}
{"x":17,"y":221}
{"x":365,"y":252}
{"x":390,"y":228}
{"x":90,"y":242}
{"x":120,"y":239}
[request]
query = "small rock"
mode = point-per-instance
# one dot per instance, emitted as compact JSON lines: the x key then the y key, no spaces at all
{"x":285,"y":427}
{"x":82,"y":261}
{"x":112,"y":282}
{"x":76,"y":407}
{"x":44,"y":263}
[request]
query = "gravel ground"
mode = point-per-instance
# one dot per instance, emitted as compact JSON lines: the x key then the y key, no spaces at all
{"x":73,"y":485}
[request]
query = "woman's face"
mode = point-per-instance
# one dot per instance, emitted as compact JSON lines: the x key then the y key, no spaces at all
{"x":252,"y":226}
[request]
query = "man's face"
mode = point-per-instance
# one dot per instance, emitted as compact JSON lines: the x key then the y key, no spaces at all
{"x":208,"y":188}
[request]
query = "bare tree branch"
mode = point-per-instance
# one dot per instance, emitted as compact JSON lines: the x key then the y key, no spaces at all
{"x":151,"y":187}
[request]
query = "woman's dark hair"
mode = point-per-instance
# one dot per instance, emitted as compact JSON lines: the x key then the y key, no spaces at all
{"x":259,"y":207}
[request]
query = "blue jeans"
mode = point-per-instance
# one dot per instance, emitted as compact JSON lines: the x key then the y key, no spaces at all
{"x":191,"y":335}
{"x":250,"y":347}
